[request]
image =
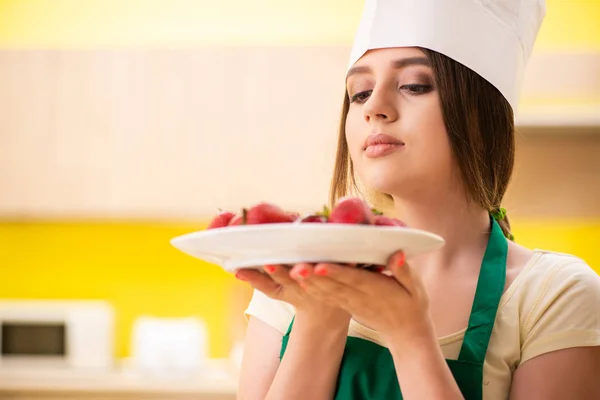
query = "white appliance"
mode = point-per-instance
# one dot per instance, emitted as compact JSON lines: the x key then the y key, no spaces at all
{"x":169,"y":347}
{"x":74,"y":334}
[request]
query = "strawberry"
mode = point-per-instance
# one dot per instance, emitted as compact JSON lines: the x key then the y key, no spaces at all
{"x":267,"y":213}
{"x":352,"y":210}
{"x":321,"y":217}
{"x":239,"y":219}
{"x":382,"y":220}
{"x":315,"y":217}
{"x":221,"y":219}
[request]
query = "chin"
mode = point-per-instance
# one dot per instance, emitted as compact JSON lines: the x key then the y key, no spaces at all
{"x":386,"y":181}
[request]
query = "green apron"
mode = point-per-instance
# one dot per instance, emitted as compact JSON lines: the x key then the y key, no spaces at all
{"x":367,"y":369}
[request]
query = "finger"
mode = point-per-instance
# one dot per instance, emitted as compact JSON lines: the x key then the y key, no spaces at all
{"x":301,"y":271}
{"x":402,"y":272}
{"x":305,"y":275}
{"x":347,"y":288}
{"x":350,"y":277}
{"x":279,"y":274}
{"x":260,"y":281}
{"x":329,"y":290}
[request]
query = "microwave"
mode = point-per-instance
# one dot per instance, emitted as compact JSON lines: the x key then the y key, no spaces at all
{"x":57,"y":334}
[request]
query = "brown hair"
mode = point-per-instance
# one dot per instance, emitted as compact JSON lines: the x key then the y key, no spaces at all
{"x":480,"y":126}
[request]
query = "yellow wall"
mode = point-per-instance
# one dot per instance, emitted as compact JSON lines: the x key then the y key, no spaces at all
{"x":569,"y":25}
{"x":133,"y":266}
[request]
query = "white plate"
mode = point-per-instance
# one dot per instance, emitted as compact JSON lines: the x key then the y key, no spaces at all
{"x":252,"y":246}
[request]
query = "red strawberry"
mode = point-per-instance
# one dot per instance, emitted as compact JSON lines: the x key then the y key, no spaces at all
{"x":267,"y":213}
{"x":388,"y":221}
{"x":314,"y":218}
{"x":321,"y":217}
{"x":221,"y":219}
{"x":352,"y":210}
{"x":239,"y":219}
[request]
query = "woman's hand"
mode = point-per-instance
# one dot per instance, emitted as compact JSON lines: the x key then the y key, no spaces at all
{"x":285,"y":284}
{"x":396,"y":306}
{"x":316,"y":345}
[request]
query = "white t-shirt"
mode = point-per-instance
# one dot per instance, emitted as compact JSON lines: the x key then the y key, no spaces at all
{"x":554,"y":303}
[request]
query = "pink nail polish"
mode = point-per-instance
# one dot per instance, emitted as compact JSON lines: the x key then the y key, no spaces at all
{"x":401,"y":259}
{"x":239,"y":275}
{"x":303,"y":272}
{"x":321,"y":271}
{"x":270,"y":268}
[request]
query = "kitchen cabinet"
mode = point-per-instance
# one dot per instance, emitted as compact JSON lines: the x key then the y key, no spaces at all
{"x":166,"y":134}
{"x":169,"y":134}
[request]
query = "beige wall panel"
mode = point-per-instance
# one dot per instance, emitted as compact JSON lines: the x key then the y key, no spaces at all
{"x":159,"y":133}
{"x":556,"y":76}
{"x":162,"y":133}
{"x":557,"y":174}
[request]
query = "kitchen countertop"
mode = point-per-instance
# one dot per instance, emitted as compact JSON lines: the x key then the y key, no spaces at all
{"x":219,"y":378}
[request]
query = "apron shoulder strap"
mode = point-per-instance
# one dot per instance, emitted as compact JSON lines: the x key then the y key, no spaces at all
{"x":289,"y":329}
{"x":490,"y":287}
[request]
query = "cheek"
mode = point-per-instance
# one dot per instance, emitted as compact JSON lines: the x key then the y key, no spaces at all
{"x":433,"y":143}
{"x":355,"y":133}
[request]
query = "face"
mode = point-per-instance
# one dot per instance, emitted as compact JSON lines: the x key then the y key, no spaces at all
{"x":394,"y":128}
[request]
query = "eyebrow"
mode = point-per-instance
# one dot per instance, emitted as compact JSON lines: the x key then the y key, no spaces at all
{"x":397,"y":64}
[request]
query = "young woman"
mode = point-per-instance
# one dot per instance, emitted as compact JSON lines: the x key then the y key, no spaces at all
{"x":482,"y":317}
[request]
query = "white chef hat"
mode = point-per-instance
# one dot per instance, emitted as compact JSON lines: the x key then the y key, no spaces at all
{"x":494,"y":38}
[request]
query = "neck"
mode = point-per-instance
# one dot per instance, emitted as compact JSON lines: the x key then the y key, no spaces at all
{"x":465,"y":227}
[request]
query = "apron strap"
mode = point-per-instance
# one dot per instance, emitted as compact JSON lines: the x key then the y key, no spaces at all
{"x":490,"y":287}
{"x":289,"y":330}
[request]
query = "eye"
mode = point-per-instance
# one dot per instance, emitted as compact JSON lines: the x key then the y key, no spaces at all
{"x":360,"y":96}
{"x":416,"y":89}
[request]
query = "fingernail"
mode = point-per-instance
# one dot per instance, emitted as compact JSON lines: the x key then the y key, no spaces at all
{"x":321,"y":271}
{"x":270,"y":268}
{"x":303,"y":272}
{"x":401,"y":259}
{"x":240,"y":276}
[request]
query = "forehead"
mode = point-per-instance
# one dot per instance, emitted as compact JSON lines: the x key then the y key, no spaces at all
{"x":386,"y":55}
{"x":392,"y":58}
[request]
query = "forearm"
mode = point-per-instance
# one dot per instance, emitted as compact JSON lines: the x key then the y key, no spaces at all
{"x":422,"y":370}
{"x":311,"y":362}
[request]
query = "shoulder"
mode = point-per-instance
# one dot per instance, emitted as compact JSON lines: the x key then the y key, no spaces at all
{"x":550,"y":279}
{"x":275,"y":313}
{"x":558,"y":298}
{"x":534,"y":274}
{"x":554,"y":271}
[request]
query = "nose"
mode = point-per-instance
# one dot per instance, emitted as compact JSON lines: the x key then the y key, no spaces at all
{"x":381,"y":106}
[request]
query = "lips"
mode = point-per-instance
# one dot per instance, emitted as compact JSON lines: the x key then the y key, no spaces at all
{"x":379,"y":145}
{"x":381,"y":139}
